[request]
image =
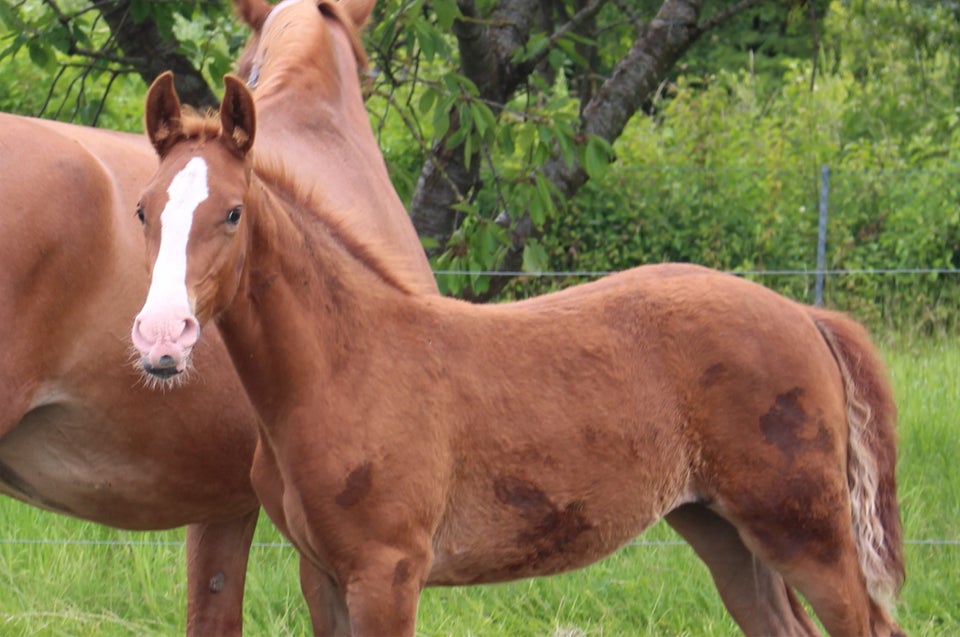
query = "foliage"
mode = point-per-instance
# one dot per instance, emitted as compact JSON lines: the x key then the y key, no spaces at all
{"x":727,"y":174}
{"x":514,"y":140}
{"x":763,"y":39}
{"x":61,"y":60}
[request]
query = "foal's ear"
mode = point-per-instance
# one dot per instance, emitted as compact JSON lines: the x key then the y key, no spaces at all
{"x":238,"y":119}
{"x":162,"y":113}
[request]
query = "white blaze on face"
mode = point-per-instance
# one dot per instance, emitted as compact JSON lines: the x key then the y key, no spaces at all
{"x":188,"y":190}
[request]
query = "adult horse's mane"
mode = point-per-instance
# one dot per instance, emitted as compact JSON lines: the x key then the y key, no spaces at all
{"x":257,"y":16}
{"x":303,"y":199}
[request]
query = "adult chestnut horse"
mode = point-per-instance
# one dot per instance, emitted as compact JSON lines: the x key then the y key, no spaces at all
{"x":422,"y":440}
{"x":80,"y":434}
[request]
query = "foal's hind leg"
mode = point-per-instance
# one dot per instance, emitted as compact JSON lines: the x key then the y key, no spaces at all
{"x":799,"y":521}
{"x":216,"y":569}
{"x":755,"y":595}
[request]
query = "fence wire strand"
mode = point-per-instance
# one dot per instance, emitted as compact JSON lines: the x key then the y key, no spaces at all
{"x":287,"y":545}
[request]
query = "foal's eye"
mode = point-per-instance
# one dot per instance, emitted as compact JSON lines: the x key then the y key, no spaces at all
{"x":233,"y":217}
{"x":140,"y":213}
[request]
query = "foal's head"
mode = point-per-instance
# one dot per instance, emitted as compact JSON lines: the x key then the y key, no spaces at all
{"x":193,"y":221}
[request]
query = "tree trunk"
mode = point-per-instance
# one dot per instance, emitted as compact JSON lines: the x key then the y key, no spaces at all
{"x":151,"y":55}
{"x":660,"y":44}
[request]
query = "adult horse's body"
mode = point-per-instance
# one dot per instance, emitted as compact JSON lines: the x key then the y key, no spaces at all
{"x":79,"y":432}
{"x":421,"y":440}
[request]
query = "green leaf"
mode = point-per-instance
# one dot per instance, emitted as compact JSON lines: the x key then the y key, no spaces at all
{"x":58,"y":36}
{"x":544,"y":188}
{"x":535,"y":208}
{"x":596,"y":157}
{"x":427,"y":100}
{"x":425,"y":38}
{"x":441,"y":122}
{"x":139,"y":10}
{"x":39,"y":54}
{"x":535,"y":258}
{"x":447,"y":11}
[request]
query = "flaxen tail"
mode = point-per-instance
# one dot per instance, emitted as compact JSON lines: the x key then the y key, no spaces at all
{"x":872,"y":454}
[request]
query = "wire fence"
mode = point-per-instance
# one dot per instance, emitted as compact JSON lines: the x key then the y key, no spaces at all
{"x":758,"y":273}
{"x":287,"y":545}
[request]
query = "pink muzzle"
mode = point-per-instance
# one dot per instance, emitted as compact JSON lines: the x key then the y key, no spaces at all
{"x":165,"y":340}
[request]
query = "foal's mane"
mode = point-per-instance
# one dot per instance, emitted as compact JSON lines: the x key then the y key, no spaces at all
{"x":305,"y":199}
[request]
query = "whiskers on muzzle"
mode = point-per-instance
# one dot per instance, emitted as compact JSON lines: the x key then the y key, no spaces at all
{"x":160,"y":378}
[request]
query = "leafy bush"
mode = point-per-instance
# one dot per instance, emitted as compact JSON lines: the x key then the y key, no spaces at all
{"x":728,"y":177}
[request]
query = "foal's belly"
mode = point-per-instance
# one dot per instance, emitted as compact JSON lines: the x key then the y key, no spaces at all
{"x":547,"y":557}
{"x":69,"y":458}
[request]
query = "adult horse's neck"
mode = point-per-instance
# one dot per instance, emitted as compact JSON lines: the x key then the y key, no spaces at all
{"x":311,"y":114}
{"x":309,"y":104}
{"x":306,"y":289}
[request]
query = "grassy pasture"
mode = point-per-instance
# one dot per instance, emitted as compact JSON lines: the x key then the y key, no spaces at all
{"x":63,"y":577}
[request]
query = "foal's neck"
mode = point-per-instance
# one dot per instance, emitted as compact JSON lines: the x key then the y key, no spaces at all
{"x":306,"y":288}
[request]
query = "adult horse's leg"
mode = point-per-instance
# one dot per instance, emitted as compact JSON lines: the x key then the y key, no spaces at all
{"x":217,"y":556}
{"x":755,"y":595}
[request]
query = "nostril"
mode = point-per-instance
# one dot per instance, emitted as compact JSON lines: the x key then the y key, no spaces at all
{"x":138,"y":338}
{"x":190,"y":333}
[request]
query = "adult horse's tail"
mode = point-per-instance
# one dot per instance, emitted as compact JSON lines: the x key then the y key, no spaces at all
{"x":872,"y":454}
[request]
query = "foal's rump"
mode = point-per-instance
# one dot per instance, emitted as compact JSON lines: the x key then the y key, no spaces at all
{"x":795,"y":419}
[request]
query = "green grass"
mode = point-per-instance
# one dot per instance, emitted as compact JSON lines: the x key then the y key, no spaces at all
{"x":66,"y":588}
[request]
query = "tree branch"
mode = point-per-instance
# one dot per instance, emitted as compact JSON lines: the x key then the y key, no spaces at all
{"x":582,"y":16}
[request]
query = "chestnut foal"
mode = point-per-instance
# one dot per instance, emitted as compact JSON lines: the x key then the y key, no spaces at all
{"x":425,"y":441}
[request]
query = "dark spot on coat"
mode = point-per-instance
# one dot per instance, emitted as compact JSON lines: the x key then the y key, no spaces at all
{"x":551,"y":529}
{"x":712,"y":375}
{"x":358,"y":485}
{"x":782,"y":425}
{"x":590,"y":434}
{"x":217,"y":582}
{"x":801,"y":513}
{"x":401,"y":574}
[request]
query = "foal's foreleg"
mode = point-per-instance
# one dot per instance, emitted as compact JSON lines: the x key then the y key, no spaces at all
{"x":328,"y":610}
{"x":756,"y":596}
{"x":216,"y":569}
{"x":383,"y":592}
